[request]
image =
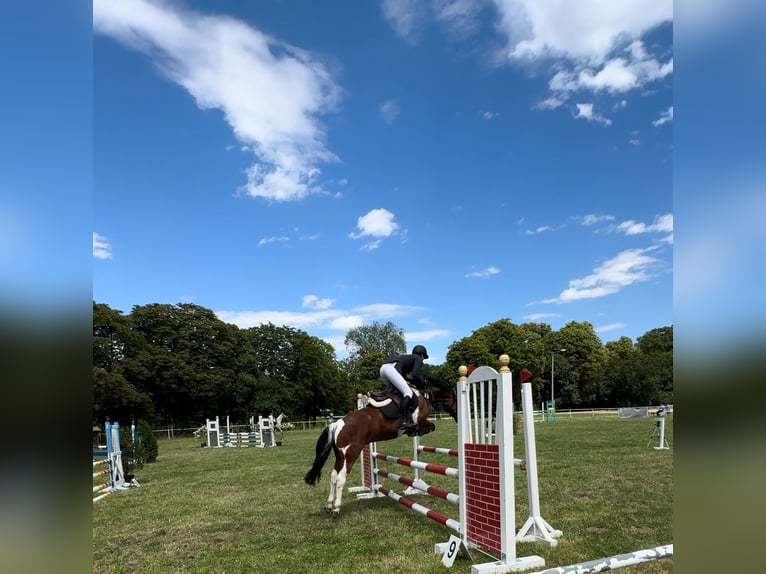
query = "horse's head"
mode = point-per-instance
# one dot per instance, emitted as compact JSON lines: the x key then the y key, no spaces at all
{"x":441,"y":393}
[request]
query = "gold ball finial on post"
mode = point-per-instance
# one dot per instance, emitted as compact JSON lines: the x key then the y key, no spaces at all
{"x":504,"y":362}
{"x":462,"y":370}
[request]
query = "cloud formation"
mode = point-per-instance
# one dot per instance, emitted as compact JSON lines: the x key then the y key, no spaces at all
{"x":616,"y":76}
{"x":662,"y":224}
{"x":585,"y":31}
{"x":485,"y":273}
{"x":266,"y":240}
{"x":593,"y":46}
{"x":593,"y":218}
{"x":389,"y":111}
{"x":271,"y":94}
{"x":585,"y":111}
{"x":535,"y":317}
{"x":320,"y":315}
{"x":665,"y":117}
{"x":377,"y":223}
{"x":539,"y":229}
{"x":609,"y":327}
{"x":314,"y":302}
{"x":101,"y":247}
{"x":628,"y":267}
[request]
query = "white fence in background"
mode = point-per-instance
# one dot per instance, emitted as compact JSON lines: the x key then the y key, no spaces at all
{"x":322,"y":422}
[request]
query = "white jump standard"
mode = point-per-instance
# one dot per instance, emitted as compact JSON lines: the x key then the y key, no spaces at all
{"x":485,"y":498}
{"x":260,"y":435}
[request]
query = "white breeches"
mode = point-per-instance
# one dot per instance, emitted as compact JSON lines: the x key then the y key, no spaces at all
{"x":389,"y":373}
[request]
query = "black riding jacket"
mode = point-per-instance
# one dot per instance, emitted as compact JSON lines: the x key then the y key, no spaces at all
{"x":408,"y":365}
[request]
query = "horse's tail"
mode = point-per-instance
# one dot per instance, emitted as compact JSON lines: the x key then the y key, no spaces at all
{"x":324,"y":447}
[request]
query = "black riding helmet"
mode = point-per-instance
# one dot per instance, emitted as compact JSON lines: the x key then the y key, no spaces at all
{"x":420,"y":350}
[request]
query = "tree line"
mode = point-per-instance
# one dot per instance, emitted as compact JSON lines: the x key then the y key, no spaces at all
{"x":176,"y":365}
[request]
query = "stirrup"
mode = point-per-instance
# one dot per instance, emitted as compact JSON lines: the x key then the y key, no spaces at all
{"x":407,"y":425}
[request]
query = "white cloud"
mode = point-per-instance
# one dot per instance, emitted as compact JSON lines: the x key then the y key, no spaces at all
{"x":247,"y":319}
{"x":377,"y":223}
{"x":428,"y":335}
{"x":550,"y":103}
{"x":406,"y":17}
{"x":592,"y":45}
{"x":346,"y":322}
{"x":101,"y":247}
{"x":484,"y":274}
{"x":490,"y":115}
{"x":609,"y":327}
{"x":540,"y":229}
{"x":320,"y":318}
{"x":314,"y":302}
{"x":626,"y":268}
{"x":585,"y":31}
{"x":665,"y":117}
{"x":459,"y":16}
{"x":267,"y":240}
{"x":585,"y":111}
{"x":537,"y":316}
{"x":662,"y":223}
{"x":389,"y":111}
{"x":271,"y":93}
{"x":593,"y":218}
{"x":616,"y":76}
{"x":386,"y":310}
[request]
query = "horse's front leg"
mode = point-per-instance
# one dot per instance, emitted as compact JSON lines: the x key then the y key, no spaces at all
{"x":425,"y":428}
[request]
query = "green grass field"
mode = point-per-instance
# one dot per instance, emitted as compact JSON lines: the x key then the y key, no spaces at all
{"x":229,"y":510}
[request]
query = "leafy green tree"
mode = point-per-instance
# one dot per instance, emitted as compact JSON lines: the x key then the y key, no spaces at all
{"x":188,"y":360}
{"x":621,"y":379}
{"x":470,"y":351}
{"x":655,"y":351}
{"x":317,"y":380}
{"x":387,"y":339}
{"x":365,"y":376}
{"x":586,"y":356}
{"x":368,"y":347}
{"x":117,"y":392}
{"x":148,"y":442}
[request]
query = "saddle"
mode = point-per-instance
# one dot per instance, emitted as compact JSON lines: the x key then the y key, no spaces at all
{"x":388,"y":401}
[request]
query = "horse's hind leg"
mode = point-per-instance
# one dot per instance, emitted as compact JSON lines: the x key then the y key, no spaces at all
{"x":343,"y":466}
{"x":339,"y":461}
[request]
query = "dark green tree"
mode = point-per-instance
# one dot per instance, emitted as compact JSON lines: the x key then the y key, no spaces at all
{"x":189,"y":360}
{"x":621,"y":379}
{"x":585,"y":356}
{"x":387,"y":339}
{"x":117,"y":391}
{"x":655,"y":354}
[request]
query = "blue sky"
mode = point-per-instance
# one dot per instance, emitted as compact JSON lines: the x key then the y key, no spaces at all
{"x":439,"y":164}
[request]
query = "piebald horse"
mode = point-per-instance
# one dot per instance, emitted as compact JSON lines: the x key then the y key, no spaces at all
{"x":348,"y":436}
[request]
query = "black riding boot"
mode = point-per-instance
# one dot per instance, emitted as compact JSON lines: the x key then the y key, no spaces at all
{"x":408,"y":406}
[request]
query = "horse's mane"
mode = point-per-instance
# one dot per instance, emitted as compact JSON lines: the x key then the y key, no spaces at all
{"x":440,"y":384}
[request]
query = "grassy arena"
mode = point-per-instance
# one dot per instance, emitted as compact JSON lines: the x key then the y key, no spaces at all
{"x":248,"y":510}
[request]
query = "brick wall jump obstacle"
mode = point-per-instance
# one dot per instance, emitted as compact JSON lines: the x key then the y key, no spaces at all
{"x":486,"y":496}
{"x":112,"y":463}
{"x":536,"y":528}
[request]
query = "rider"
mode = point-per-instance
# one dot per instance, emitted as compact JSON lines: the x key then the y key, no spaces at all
{"x":394,"y":371}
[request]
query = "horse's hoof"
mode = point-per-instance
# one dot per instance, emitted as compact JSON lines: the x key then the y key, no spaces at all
{"x":334,"y":514}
